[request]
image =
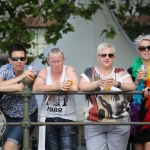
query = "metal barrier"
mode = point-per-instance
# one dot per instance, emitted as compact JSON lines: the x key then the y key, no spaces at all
{"x":26,"y":121}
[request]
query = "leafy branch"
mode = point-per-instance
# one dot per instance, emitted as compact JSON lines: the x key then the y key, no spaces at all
{"x":134,"y":17}
{"x":17,"y":18}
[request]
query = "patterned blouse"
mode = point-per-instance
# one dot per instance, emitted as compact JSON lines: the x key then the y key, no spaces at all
{"x":15,"y":109}
{"x":105,"y":108}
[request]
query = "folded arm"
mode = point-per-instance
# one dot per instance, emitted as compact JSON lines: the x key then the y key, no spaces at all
{"x":12,"y":88}
{"x":40,"y":81}
{"x":28,"y":73}
{"x":126,"y":85}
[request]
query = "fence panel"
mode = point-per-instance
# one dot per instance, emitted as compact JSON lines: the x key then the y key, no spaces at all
{"x":26,"y":121}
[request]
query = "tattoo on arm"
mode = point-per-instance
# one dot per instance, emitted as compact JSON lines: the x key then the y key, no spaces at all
{"x":41,"y":78}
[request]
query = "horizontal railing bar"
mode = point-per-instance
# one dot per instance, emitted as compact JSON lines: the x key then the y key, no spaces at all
{"x":72,"y":92}
{"x":78,"y":123}
{"x":83,"y":93}
{"x":89,"y":123}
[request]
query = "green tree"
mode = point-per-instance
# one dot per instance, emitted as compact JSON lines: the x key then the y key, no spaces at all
{"x":16,"y":17}
{"x":134,"y":17}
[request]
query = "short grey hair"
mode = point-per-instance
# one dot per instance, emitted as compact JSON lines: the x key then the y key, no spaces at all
{"x":103,"y":46}
{"x":140,"y":38}
{"x":55,"y":51}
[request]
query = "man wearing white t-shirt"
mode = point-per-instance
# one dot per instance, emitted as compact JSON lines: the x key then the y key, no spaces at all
{"x":57,"y":108}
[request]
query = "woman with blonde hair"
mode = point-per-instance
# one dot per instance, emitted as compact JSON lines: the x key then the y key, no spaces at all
{"x":140,"y":106}
{"x":106,"y":108}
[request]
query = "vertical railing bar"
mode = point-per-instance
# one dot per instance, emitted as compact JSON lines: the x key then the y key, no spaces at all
{"x":26,"y":123}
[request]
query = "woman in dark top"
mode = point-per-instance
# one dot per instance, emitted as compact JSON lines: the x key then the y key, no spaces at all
{"x":140,"y":135}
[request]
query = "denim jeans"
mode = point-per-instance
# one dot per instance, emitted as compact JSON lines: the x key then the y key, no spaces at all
{"x":15,"y":133}
{"x":61,"y":137}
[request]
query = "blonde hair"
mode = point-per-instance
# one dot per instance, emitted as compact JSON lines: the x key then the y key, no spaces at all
{"x":103,"y":46}
{"x":140,"y":38}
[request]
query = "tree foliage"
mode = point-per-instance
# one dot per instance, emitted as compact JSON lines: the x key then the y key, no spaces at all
{"x":134,"y":17}
{"x":17,"y":17}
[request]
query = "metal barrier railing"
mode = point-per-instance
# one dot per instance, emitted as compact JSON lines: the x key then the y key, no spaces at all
{"x":26,"y":121}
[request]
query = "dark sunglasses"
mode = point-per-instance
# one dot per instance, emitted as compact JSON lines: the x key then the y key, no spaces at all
{"x":16,"y":58}
{"x":143,"y":48}
{"x":104,"y":55}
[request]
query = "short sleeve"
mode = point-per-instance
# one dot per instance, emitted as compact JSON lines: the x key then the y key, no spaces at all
{"x":3,"y":72}
{"x":87,"y":73}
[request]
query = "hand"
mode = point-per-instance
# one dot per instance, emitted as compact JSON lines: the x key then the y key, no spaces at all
{"x":106,"y":83}
{"x":146,"y":91}
{"x":65,"y":86}
{"x":110,"y":82}
{"x":141,"y":74}
{"x":29,"y":74}
{"x":101,"y":83}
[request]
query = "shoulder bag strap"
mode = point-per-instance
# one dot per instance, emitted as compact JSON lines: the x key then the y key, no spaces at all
{"x":93,"y":73}
{"x":92,"y":96}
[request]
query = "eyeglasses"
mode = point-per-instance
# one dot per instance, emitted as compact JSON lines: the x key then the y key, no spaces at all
{"x":16,"y":58}
{"x":104,"y":55}
{"x":143,"y":48}
{"x":56,"y":62}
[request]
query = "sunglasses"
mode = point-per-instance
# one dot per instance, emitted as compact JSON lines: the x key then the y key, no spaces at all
{"x":16,"y":58}
{"x":143,"y":48}
{"x":104,"y":55}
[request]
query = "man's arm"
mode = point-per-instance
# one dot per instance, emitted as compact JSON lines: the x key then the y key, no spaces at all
{"x":40,"y":83}
{"x":86,"y":86}
{"x":28,"y":73}
{"x":12,"y":88}
{"x":70,"y":72}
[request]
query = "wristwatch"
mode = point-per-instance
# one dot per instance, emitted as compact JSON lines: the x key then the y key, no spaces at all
{"x":119,"y":85}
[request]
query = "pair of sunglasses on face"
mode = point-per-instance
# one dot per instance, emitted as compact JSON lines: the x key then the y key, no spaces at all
{"x":17,"y":58}
{"x":109,"y":55}
{"x":143,"y":48}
